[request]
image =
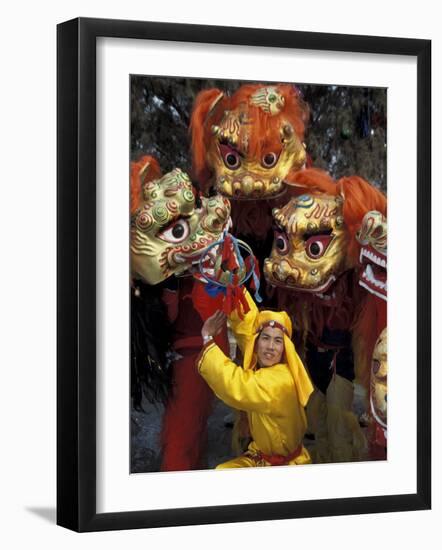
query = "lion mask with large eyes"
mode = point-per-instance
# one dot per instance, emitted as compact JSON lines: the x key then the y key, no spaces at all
{"x":169,"y":231}
{"x":246,"y":144}
{"x":315,"y":234}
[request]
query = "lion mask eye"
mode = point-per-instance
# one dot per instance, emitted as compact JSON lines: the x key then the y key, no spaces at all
{"x":376,"y":367}
{"x":269,"y":160}
{"x":281,"y":242}
{"x":176,"y":233}
{"x":317,"y":245}
{"x":230,"y":156}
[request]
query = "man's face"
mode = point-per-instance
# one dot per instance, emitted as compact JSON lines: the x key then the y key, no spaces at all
{"x":270,"y":346}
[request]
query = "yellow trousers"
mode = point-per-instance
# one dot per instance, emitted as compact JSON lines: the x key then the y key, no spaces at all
{"x":250,"y":459}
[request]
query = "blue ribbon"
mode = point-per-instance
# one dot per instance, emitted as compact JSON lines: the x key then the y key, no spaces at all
{"x":256,"y":281}
{"x":213,"y":289}
{"x":237,"y":252}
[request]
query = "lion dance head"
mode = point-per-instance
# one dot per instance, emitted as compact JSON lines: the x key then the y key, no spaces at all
{"x":315,"y":233}
{"x":169,"y":229}
{"x":245,"y":145}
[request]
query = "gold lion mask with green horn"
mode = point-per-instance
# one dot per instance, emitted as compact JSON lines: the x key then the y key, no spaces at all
{"x":168,"y":231}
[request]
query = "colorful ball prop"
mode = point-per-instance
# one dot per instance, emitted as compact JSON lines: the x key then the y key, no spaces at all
{"x":225,"y":267}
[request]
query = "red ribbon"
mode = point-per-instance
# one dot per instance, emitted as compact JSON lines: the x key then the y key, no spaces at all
{"x":228,"y":257}
{"x":235,"y":299}
{"x":280,"y":460}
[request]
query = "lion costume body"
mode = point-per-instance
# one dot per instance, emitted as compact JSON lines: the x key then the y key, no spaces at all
{"x":315,"y":266}
{"x":169,"y":233}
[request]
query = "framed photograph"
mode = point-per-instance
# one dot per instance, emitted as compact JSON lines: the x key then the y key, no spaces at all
{"x":222,"y":274}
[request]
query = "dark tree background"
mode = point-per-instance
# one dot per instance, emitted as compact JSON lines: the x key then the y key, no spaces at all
{"x":346,"y":134}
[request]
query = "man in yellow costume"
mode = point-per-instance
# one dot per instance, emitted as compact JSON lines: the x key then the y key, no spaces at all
{"x":272,"y":386}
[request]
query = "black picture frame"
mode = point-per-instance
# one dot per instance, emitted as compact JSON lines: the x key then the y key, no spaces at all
{"x":76,"y":274}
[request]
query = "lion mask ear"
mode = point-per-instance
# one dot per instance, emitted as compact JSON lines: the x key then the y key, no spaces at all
{"x":205,"y":104}
{"x":144,"y":170}
{"x":360,"y":197}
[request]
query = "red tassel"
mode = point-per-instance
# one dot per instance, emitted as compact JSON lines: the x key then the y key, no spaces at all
{"x":227,"y":306}
{"x":228,"y":258}
{"x":235,"y":300}
{"x":226,"y":248}
{"x":244,"y":305}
